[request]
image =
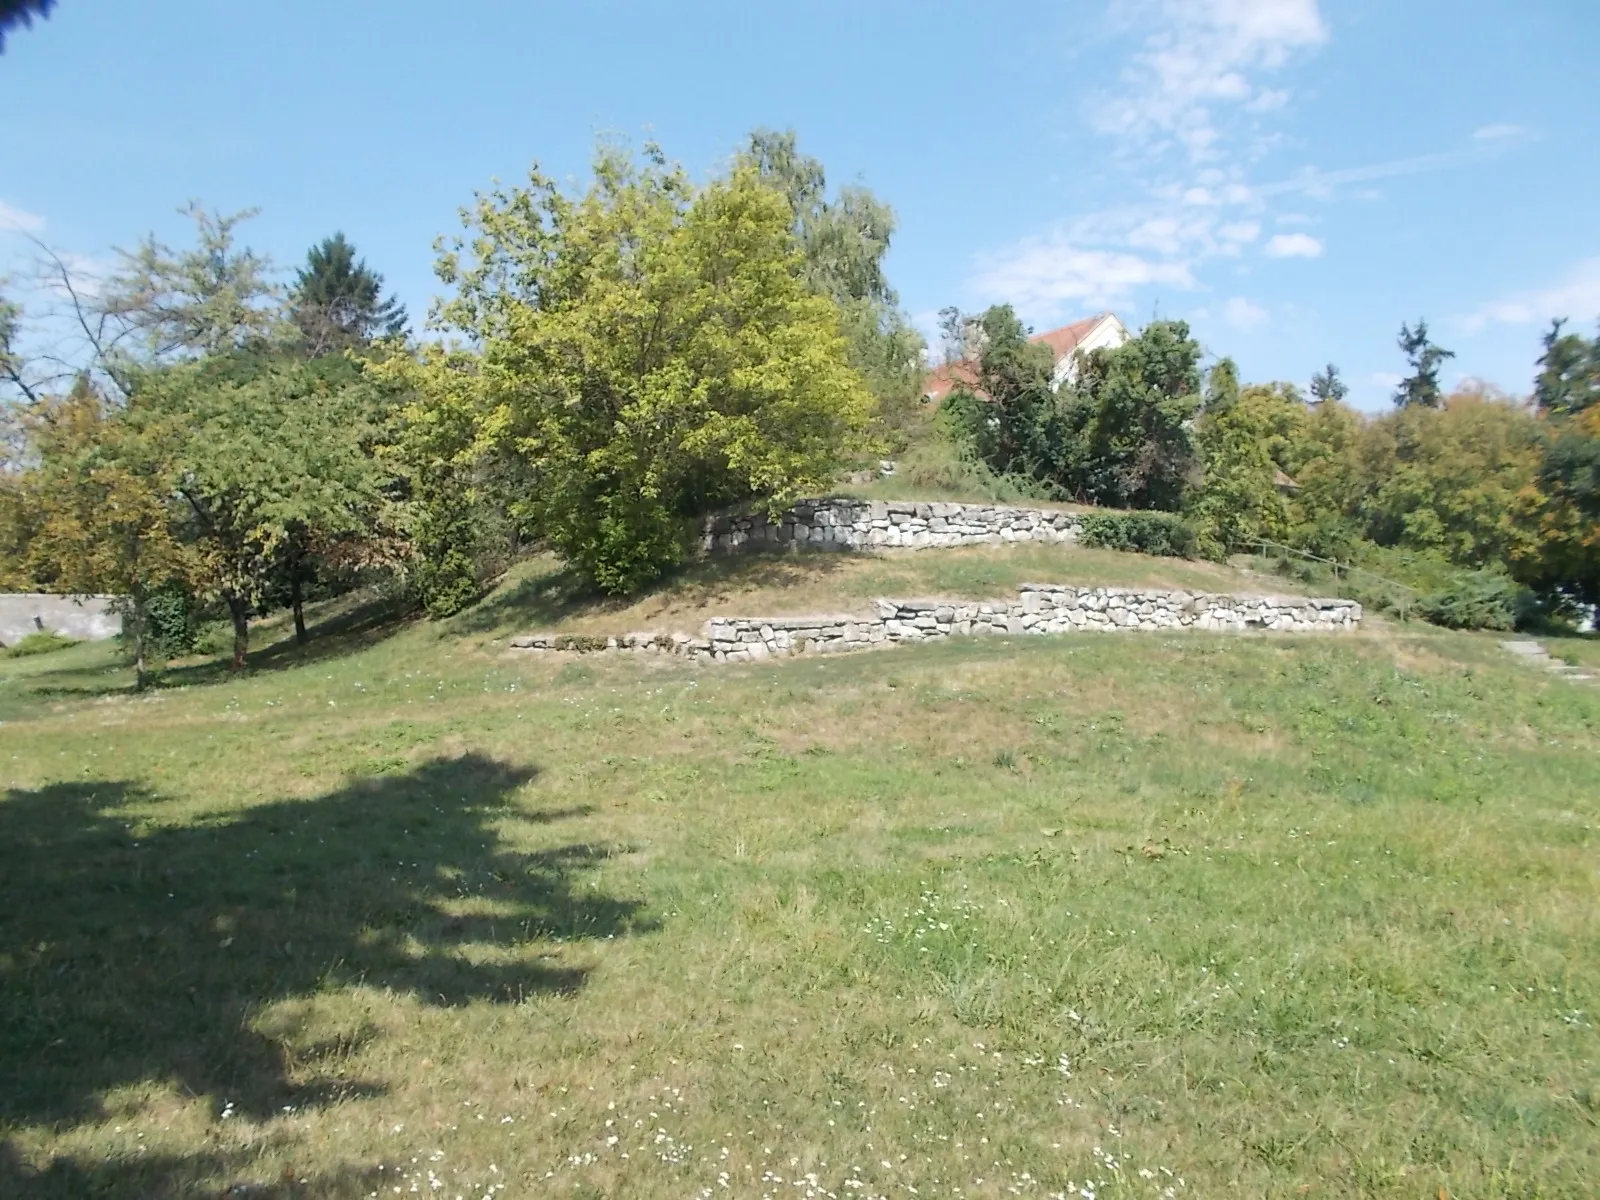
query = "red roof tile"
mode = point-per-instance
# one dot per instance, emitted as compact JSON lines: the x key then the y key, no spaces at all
{"x":943,"y":380}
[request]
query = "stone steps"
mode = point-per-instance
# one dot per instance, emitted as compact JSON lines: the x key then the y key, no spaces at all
{"x":1533,"y":652}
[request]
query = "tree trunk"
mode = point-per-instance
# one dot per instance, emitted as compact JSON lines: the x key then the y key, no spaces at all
{"x":297,"y":602}
{"x":137,"y":617}
{"x":240,"y":612}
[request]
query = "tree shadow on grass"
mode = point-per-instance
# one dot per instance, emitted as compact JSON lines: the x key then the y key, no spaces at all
{"x":145,"y":1176}
{"x":149,"y":956}
{"x":346,"y":632}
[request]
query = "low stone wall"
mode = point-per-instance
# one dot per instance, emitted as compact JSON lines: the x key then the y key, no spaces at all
{"x":88,"y":618}
{"x":1039,"y":609}
{"x":839,"y":523}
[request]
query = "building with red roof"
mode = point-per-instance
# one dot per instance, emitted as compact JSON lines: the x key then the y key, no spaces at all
{"x":1100,"y":332}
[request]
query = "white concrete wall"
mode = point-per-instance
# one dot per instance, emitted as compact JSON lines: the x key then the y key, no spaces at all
{"x":87,"y":618}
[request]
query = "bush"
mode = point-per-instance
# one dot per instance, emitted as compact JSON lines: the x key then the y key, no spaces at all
{"x":172,"y":623}
{"x":1159,"y":533}
{"x":40,"y":643}
{"x":1479,"y":600}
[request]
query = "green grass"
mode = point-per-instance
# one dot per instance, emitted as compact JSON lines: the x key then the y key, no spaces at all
{"x":1269,"y":916}
{"x":46,"y":641}
{"x":1577,"y":649}
{"x":538,"y":595}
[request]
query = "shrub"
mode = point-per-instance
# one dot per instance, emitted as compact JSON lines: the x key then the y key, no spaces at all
{"x":172,"y":623}
{"x":42,"y":642}
{"x":1160,"y":533}
{"x":1479,"y":600}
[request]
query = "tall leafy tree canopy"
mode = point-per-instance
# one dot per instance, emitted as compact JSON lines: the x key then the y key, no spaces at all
{"x":211,"y":298}
{"x":649,"y":349}
{"x":844,"y":242}
{"x":337,"y":301}
{"x":1011,"y":414}
{"x":1134,"y":406}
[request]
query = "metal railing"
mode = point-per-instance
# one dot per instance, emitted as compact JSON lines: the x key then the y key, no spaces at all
{"x":1402,"y":602}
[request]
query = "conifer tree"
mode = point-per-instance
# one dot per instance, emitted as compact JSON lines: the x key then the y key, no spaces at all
{"x":337,"y":300}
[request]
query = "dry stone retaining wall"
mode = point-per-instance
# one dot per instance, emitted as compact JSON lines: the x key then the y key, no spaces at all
{"x":1040,"y":609}
{"x":839,"y":523}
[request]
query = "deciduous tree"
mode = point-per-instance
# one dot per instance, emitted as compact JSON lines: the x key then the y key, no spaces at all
{"x":1134,"y":406}
{"x":649,"y":350}
{"x":99,"y":510}
{"x":844,"y":242}
{"x":262,"y":449}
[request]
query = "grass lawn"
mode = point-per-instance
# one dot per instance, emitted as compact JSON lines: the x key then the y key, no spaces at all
{"x":1125,"y":916}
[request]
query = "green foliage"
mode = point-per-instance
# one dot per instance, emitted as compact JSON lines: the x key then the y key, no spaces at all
{"x":259,"y":448}
{"x":1477,"y":600}
{"x":1159,"y":533}
{"x":1569,"y":377}
{"x":1421,"y":388}
{"x":1565,"y":562}
{"x":1456,"y":479}
{"x":43,"y":642}
{"x":1010,"y":416}
{"x":1240,"y":499}
{"x":650,"y":351}
{"x":337,"y":301}
{"x":946,"y":466}
{"x":444,"y":541}
{"x":212,"y":298}
{"x":844,"y":242}
{"x":171,"y":621}
{"x":1327,"y":385}
{"x":92,"y":512}
{"x":1128,"y":442}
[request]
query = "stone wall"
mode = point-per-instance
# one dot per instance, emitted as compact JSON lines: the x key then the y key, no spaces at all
{"x":839,"y":523}
{"x":1039,"y":609}
{"x":88,"y":618}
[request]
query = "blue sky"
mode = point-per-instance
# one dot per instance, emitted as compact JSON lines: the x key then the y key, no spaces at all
{"x":1294,"y":177}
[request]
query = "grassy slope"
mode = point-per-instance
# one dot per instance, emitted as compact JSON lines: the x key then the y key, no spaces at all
{"x":540,"y":597}
{"x":1278,"y":916}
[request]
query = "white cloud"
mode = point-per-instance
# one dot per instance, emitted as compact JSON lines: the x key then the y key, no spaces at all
{"x":1198,"y":60}
{"x":16,"y":220}
{"x":1496,"y":132}
{"x":1244,"y":314}
{"x":1040,"y":276}
{"x":1577,"y":296}
{"x":1293,"y":245}
{"x":1240,"y":232}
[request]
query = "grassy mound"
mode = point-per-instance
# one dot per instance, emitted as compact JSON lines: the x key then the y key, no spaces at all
{"x":1275,"y":917}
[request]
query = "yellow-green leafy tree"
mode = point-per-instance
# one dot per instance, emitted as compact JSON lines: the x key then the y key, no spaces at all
{"x":1244,"y":436}
{"x":99,"y":510}
{"x":650,"y":350}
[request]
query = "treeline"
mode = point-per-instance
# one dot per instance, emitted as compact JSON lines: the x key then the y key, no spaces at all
{"x":1490,"y":505}
{"x":611,"y":364}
